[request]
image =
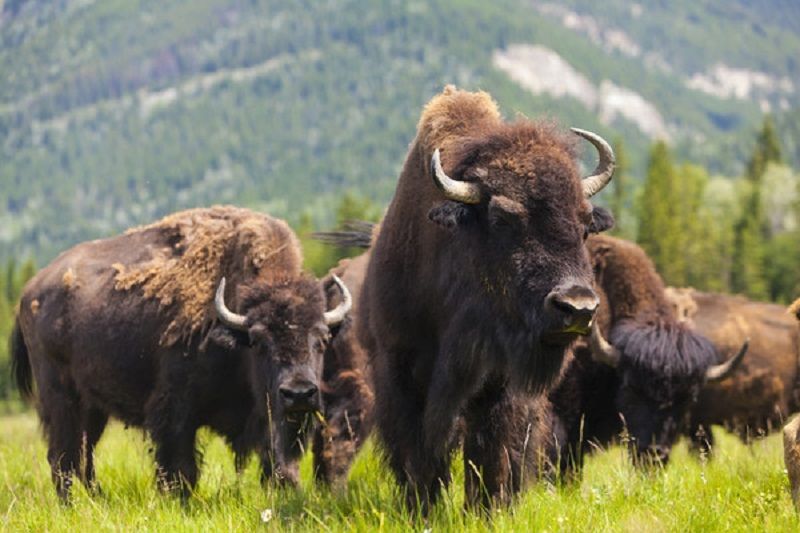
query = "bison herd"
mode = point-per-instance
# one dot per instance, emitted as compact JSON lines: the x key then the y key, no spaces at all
{"x":487,"y":313}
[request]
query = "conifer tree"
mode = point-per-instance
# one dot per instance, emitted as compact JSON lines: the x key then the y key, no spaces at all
{"x":659,"y":225}
{"x":750,"y":231}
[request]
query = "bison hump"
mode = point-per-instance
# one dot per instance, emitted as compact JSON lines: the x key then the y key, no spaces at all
{"x":196,"y":248}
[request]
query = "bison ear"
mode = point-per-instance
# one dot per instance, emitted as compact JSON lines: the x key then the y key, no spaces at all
{"x":602,"y":220}
{"x":227,"y":338}
{"x":450,"y":215}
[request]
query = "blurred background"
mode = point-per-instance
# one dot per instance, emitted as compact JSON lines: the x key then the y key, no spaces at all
{"x":116,"y":112}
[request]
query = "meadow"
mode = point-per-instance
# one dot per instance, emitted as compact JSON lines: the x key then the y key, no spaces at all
{"x":741,"y":489}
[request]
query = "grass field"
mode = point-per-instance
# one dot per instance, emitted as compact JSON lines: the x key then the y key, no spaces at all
{"x":742,"y":489}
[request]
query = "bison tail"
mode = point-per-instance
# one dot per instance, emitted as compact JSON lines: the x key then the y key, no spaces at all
{"x":20,"y":363}
{"x":356,"y":234}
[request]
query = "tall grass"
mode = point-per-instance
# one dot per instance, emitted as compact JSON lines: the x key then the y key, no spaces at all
{"x":742,"y":489}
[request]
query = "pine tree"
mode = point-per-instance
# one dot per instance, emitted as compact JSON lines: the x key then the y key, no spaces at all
{"x":691,"y":181}
{"x":767,"y":150}
{"x":751,"y":234}
{"x":659,"y":224}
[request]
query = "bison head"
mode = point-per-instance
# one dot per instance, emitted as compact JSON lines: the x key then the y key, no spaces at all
{"x":661,"y":368}
{"x":284,"y":333}
{"x":519,"y":210}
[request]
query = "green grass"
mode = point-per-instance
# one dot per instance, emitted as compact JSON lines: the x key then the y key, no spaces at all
{"x":742,"y":489}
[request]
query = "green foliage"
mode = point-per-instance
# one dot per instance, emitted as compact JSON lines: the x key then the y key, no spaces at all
{"x":751,"y":233}
{"x":114,"y":113}
{"x":12,"y":279}
{"x":320,"y":257}
{"x":741,"y":489}
{"x":659,"y":217}
{"x":767,"y":150}
{"x":620,"y":193}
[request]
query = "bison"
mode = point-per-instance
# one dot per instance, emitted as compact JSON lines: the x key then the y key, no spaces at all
{"x":645,"y":379}
{"x":478,"y":284}
{"x":347,"y":389}
{"x":764,"y":391}
{"x":132,"y":327}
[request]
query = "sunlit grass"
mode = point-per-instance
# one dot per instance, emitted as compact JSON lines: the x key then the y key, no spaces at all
{"x":742,"y":489}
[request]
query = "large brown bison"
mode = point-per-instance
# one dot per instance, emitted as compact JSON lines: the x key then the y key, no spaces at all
{"x":478,"y":284}
{"x":645,"y":377}
{"x":132,"y":327}
{"x":765,"y":390}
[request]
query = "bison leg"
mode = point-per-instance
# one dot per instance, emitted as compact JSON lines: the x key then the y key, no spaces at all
{"x":175,"y":457}
{"x":59,"y":411}
{"x":421,"y":471}
{"x":94,"y":422}
{"x":493,"y":466}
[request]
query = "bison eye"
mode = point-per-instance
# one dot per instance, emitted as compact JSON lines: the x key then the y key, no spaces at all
{"x":501,"y":221}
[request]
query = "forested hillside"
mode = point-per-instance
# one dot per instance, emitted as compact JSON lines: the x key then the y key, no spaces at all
{"x":114,"y":112}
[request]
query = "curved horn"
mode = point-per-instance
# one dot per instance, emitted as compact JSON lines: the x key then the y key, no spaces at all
{"x":458,"y":191}
{"x":605,"y":168}
{"x":225,"y":315}
{"x":602,"y":350}
{"x":723,"y":370}
{"x":335,"y":317}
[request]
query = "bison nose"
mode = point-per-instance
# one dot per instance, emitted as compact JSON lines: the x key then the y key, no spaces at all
{"x":299,"y":393}
{"x":301,"y":397}
{"x":575,"y":306}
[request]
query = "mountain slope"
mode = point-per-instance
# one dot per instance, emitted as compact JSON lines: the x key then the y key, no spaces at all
{"x":115,"y":112}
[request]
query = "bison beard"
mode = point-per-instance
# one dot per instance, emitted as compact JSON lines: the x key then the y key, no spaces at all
{"x":476,"y":287}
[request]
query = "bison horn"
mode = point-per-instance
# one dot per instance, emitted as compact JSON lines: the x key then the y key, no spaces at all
{"x":225,"y":315}
{"x":335,"y":317}
{"x":723,"y":370}
{"x":458,"y":191}
{"x":605,"y":168}
{"x":602,"y":350}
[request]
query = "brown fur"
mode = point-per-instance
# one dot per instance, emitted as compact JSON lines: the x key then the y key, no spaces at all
{"x":764,"y":390}
{"x":683,"y":305}
{"x":629,"y":279}
{"x":454,"y":115}
{"x":453,"y":304}
{"x":347,"y":377}
{"x":203,"y":242}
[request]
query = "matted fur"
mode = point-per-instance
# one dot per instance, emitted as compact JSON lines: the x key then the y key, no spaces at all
{"x":453,"y":114}
{"x":206,"y":244}
{"x":682,"y":302}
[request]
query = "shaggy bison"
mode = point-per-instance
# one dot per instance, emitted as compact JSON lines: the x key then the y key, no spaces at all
{"x":764,"y":391}
{"x":478,"y":284}
{"x":132,"y":327}
{"x":347,"y":383}
{"x":646,"y":378}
